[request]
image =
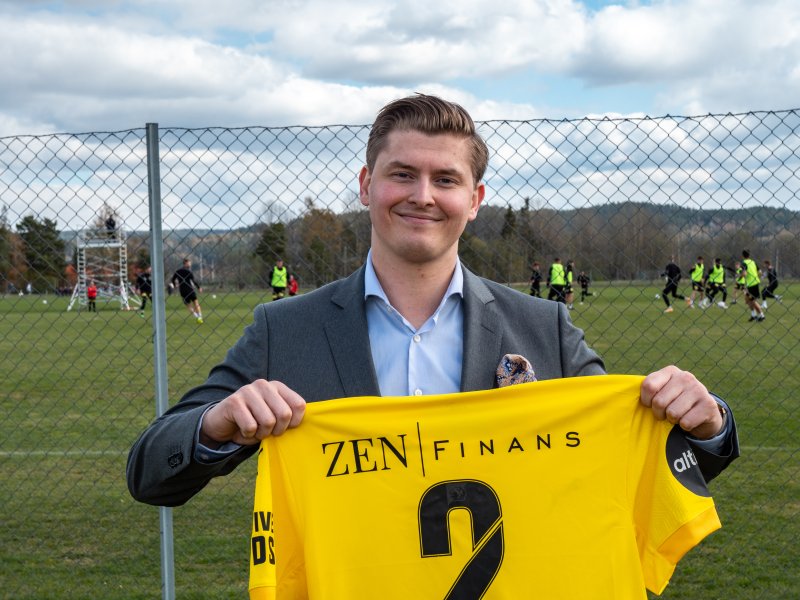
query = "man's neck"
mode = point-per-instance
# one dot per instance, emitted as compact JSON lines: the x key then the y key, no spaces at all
{"x":415,"y":290}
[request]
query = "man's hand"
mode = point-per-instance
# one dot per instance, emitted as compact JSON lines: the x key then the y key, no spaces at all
{"x":679,"y":397}
{"x":253,"y":412}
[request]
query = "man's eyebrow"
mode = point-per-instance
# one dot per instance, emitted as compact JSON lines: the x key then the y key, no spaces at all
{"x":398,"y":164}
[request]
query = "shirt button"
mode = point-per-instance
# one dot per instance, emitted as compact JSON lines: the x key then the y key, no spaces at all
{"x":417,"y":337}
{"x":418,"y":392}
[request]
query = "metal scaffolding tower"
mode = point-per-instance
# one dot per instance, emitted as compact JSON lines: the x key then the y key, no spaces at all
{"x":102,"y":256}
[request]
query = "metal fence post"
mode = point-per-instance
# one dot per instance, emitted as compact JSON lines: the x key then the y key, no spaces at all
{"x":159,"y":342}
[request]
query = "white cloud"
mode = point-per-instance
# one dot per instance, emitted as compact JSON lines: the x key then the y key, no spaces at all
{"x":416,"y":40}
{"x":98,"y":65}
{"x":707,"y":55}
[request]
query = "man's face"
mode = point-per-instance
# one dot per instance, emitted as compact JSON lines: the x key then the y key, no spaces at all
{"x":420,"y":195}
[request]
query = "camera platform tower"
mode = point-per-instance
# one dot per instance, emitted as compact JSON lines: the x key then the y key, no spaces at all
{"x":102,"y":256}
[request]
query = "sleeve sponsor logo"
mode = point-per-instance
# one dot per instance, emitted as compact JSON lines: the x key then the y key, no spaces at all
{"x":683,"y":463}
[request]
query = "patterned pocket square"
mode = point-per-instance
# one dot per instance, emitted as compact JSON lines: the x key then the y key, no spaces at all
{"x":514,"y":369}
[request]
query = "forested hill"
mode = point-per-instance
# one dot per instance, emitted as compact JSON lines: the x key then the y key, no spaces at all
{"x":612,"y":241}
{"x":631,"y":240}
{"x":760,"y":220}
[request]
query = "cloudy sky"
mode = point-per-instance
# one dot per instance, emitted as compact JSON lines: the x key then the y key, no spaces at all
{"x":89,"y":65}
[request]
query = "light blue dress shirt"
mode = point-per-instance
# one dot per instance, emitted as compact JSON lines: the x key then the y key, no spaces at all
{"x":409,"y":361}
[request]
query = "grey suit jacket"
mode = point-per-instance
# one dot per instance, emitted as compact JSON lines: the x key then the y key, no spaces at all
{"x":318,"y":345}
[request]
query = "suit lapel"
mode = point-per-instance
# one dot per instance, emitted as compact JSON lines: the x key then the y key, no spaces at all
{"x":482,"y":336}
{"x":348,"y":338}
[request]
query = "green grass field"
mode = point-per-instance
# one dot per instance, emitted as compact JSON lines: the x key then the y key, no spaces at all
{"x":77,"y":388}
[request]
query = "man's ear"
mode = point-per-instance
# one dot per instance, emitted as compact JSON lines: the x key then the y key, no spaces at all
{"x":477,"y":197}
{"x":363,"y":185}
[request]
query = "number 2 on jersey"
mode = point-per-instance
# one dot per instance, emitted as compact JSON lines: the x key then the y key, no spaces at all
{"x":482,"y":502}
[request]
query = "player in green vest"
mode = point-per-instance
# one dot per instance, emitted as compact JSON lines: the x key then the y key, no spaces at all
{"x":697,"y":274}
{"x":279,"y":280}
{"x":716,"y":284}
{"x":556,"y":281}
{"x":751,"y":281}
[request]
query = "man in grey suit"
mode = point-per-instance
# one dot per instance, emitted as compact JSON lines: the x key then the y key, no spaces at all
{"x":412,"y":320}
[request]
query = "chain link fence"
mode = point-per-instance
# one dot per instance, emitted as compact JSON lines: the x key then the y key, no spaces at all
{"x":617,"y":197}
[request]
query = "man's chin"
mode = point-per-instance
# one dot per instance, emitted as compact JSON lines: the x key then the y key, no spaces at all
{"x":420,"y":254}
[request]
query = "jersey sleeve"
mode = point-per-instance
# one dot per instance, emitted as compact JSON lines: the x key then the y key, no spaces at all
{"x":262,"y":539}
{"x":672,"y":507}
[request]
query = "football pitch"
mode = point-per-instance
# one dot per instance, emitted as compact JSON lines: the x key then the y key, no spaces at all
{"x":78,"y":388}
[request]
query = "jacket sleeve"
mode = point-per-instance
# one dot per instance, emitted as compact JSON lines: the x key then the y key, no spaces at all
{"x":712,"y":463}
{"x":161,"y":468}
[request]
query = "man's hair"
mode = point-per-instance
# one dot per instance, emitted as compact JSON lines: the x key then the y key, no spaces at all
{"x":430,"y":115}
{"x":746,"y":253}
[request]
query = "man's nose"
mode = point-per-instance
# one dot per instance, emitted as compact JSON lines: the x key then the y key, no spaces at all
{"x":422,"y":193}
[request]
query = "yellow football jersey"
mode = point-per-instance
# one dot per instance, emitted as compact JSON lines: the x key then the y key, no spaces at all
{"x":555,"y":489}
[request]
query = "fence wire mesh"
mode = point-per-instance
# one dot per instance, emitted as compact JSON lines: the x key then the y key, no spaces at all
{"x":616,"y":197}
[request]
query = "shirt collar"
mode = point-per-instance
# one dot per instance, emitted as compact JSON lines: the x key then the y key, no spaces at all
{"x":372,"y":287}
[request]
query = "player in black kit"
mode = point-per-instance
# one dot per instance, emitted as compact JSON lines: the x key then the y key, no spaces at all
{"x":673,"y":274}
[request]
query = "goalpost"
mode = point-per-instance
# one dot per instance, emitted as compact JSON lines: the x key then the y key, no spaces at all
{"x":102,"y":256}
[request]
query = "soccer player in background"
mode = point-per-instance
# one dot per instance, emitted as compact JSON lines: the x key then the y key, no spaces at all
{"x":278,"y":280}
{"x":673,"y":274}
{"x":698,"y":277}
{"x":557,"y":281}
{"x":569,"y":290}
{"x":772,"y":284}
{"x":144,"y":287}
{"x":536,"y":280}
{"x":293,"y":285}
{"x":91,"y":296}
{"x":751,"y":281}
{"x":583,"y":281}
{"x":738,"y":281}
{"x":188,"y":287}
{"x":715,"y":283}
